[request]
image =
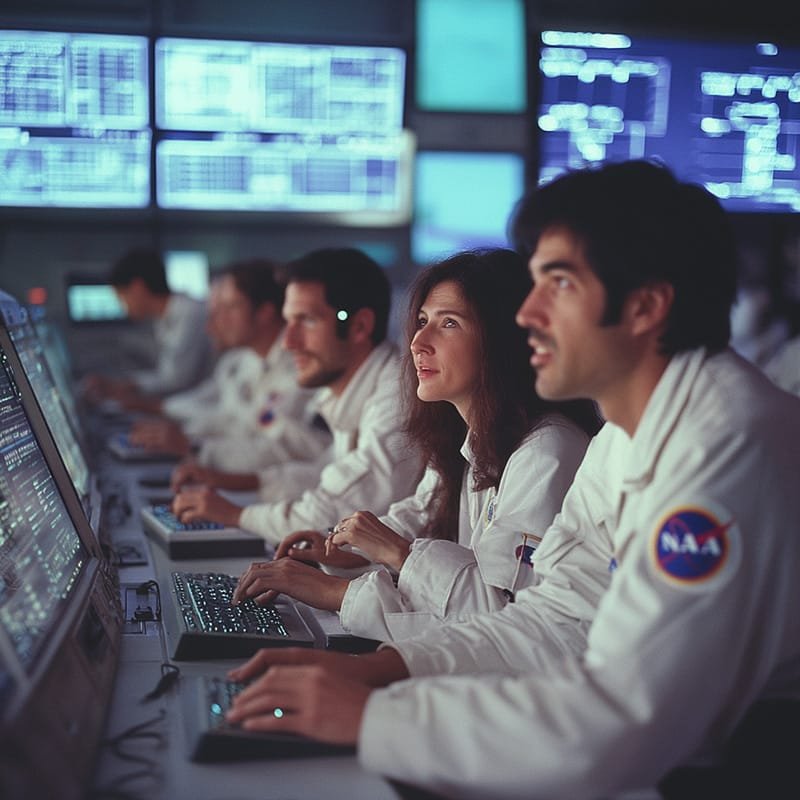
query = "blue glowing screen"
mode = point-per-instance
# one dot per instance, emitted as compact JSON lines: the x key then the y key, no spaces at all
{"x":74,"y":120}
{"x":722,"y":114}
{"x":462,"y":200}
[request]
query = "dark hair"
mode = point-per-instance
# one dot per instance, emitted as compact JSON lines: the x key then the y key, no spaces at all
{"x":506,"y":408}
{"x":144,"y":264}
{"x":638,"y":225}
{"x":352,"y":281}
{"x":257,"y":279}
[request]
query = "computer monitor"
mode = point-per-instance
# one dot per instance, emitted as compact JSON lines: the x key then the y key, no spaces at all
{"x":471,"y":56}
{"x":63,"y":427}
{"x":462,"y":200}
{"x":74,"y":120}
{"x":59,"y":621}
{"x":90,"y":299}
{"x":298,"y":129}
{"x":187,"y":272}
{"x":720,"y":113}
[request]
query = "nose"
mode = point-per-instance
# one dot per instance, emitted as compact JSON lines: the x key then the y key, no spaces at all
{"x":530,"y":311}
{"x":420,"y":343}
{"x":291,"y":336}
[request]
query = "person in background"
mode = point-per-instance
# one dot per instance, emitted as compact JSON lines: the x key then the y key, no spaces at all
{"x":336,"y":311}
{"x":258,"y":416}
{"x":689,"y":495}
{"x":499,"y":460}
{"x":183,"y":353}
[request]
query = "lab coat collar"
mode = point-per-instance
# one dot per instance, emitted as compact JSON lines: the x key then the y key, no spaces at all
{"x":344,"y":413}
{"x":663,"y":409}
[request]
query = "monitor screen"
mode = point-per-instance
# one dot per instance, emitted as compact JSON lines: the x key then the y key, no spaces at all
{"x":261,"y":87}
{"x":187,"y":272}
{"x":471,"y":56}
{"x":93,"y":301}
{"x":257,"y":126}
{"x":41,"y":552}
{"x":462,"y":200}
{"x":722,"y":114}
{"x":74,"y":120}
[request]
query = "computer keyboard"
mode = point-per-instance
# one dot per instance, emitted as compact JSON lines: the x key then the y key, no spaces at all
{"x":211,"y":738}
{"x":203,"y":624}
{"x":167,"y":518}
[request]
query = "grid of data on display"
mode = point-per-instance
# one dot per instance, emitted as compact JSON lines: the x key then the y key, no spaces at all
{"x":40,"y":552}
{"x":261,"y":126}
{"x":74,"y":119}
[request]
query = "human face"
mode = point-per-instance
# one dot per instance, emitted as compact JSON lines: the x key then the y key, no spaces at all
{"x":321,"y":358}
{"x":573,"y":354}
{"x":445,"y":348}
{"x":234,"y":320}
{"x":135,"y":298}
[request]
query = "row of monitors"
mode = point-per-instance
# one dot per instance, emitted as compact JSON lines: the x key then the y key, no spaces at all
{"x":312,"y":128}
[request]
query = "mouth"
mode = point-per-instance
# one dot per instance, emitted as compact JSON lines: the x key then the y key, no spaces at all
{"x":425,"y":372}
{"x":541,"y":354}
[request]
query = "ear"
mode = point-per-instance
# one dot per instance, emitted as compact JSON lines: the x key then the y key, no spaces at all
{"x":648,"y":307}
{"x":362,"y":324}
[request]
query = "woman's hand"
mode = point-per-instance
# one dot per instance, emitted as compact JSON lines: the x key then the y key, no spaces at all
{"x":202,"y":503}
{"x":364,"y":531}
{"x":265,"y":580}
{"x":310,"y":546}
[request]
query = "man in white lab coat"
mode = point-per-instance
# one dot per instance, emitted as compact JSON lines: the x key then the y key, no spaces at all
{"x":607,"y":675}
{"x":336,"y":317}
{"x":183,"y":352}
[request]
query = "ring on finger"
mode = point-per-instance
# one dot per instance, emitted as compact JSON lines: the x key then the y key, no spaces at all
{"x":277,"y":713}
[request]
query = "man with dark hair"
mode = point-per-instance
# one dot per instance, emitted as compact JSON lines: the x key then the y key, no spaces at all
{"x":667,"y":586}
{"x":255,"y":413}
{"x":336,"y":310}
{"x":182,"y":348}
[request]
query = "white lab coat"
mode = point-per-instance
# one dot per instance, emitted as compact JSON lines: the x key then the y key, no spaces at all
{"x":672,"y":661}
{"x":497,"y":534}
{"x":182,"y":348}
{"x":369,"y":464}
{"x":784,"y":367}
{"x":262,"y":418}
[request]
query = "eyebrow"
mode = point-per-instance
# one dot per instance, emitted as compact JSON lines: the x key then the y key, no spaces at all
{"x":443,"y":312}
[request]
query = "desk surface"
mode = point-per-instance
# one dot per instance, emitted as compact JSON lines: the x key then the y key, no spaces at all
{"x":153,"y":760}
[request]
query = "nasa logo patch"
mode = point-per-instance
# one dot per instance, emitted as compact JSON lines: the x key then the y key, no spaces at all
{"x":693,"y":546}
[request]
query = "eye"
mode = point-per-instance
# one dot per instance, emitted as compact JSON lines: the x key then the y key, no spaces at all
{"x":449,"y":322}
{"x":562,"y":282}
{"x":421,"y":322}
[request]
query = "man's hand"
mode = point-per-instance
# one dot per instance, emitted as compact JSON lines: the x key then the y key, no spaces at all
{"x":312,"y":701}
{"x":371,"y":669}
{"x":202,"y":503}
{"x":265,"y":580}
{"x":364,"y":531}
{"x":163,"y":436}
{"x":189,"y":473}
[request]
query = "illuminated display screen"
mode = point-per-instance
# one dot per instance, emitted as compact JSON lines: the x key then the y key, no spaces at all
{"x":348,"y":176}
{"x":463,"y":201}
{"x":282,"y":127}
{"x":223,"y":86}
{"x":74,"y":120}
{"x":93,"y":302}
{"x":721,"y":114}
{"x":41,"y":555}
{"x":470,"y":56}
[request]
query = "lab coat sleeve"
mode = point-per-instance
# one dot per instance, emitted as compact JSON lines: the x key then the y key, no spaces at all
{"x":183,"y":356}
{"x":671,"y":663}
{"x":442,"y":579}
{"x":382,"y":468}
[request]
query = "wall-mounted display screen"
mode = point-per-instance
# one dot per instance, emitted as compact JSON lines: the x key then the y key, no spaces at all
{"x":463,"y":201}
{"x":74,"y":120}
{"x":471,"y":56}
{"x":256,"y":126}
{"x":235,"y":87}
{"x":723,"y":114}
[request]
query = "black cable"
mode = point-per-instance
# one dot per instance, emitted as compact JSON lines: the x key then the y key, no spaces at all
{"x":169,"y":677}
